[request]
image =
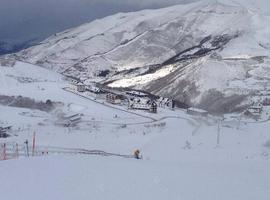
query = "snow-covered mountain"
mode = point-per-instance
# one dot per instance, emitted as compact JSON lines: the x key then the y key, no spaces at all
{"x":77,"y":145}
{"x":211,"y":53}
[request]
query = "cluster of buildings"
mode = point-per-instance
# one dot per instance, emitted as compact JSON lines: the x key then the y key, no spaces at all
{"x":165,"y":103}
{"x":142,"y":104}
{"x":7,"y":62}
{"x":91,"y":88}
{"x":139,"y":100}
{"x":132,"y":102}
{"x":254,"y":111}
{"x":135,"y":100}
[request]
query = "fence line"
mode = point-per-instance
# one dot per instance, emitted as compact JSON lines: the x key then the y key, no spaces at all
{"x":15,"y":150}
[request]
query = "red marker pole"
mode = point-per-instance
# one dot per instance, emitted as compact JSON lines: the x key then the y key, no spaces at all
{"x":34,"y":144}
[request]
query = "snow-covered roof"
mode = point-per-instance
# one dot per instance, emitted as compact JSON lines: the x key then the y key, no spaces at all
{"x":136,"y":93}
{"x":255,"y":107}
{"x":140,"y":100}
{"x":197,"y":110}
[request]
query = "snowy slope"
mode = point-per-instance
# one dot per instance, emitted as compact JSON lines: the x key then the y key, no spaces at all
{"x":105,"y":178}
{"x":181,"y":156}
{"x":206,"y":45}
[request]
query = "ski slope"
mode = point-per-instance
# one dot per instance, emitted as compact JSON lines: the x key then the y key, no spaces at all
{"x":181,"y":156}
{"x":108,"y":178}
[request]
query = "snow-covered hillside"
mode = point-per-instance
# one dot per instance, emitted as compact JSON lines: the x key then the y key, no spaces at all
{"x":184,"y":156}
{"x":63,"y":143}
{"x":186,"y":52}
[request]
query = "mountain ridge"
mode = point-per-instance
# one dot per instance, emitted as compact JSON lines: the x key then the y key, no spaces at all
{"x":142,"y":48}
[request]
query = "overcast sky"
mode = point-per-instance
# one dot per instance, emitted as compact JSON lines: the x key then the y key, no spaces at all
{"x":23,"y":20}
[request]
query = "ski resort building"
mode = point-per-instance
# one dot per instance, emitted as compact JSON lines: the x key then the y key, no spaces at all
{"x":94,"y":89}
{"x":143,"y":104}
{"x":254,"y":111}
{"x":137,"y":94}
{"x":165,"y":103}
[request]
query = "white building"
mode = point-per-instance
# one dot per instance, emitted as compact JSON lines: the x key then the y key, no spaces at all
{"x":165,"y":103}
{"x":142,"y":104}
{"x":254,"y":111}
{"x":137,"y":94}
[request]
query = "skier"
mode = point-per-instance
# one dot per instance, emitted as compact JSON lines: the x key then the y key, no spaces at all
{"x":137,"y":154}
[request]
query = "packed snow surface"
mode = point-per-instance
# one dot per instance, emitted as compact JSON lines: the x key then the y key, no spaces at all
{"x":108,"y":178}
